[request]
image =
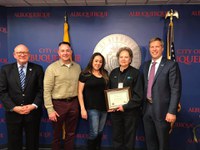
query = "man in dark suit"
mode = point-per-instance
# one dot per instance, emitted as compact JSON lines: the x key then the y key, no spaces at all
{"x":161,"y":96}
{"x":22,"y":100}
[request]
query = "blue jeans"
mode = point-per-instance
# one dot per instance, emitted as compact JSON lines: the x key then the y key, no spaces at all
{"x":97,"y":120}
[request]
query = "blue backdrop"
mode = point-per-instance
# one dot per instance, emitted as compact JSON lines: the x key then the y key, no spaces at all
{"x":41,"y":29}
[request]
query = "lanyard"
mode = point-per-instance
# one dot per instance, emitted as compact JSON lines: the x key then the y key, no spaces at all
{"x":121,"y":84}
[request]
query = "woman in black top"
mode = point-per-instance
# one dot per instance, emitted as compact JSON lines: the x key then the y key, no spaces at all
{"x":92,"y":83}
{"x":125,"y":118}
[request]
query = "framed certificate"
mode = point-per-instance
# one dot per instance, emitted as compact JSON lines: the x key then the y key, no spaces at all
{"x":117,"y":97}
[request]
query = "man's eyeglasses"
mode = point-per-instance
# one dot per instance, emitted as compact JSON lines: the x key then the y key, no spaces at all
{"x":22,"y":53}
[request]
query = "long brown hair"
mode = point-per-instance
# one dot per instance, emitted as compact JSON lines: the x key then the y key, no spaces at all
{"x":102,"y":70}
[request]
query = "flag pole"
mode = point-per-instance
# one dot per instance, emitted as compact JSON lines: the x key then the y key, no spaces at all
{"x":170,"y":45}
{"x":65,"y":39}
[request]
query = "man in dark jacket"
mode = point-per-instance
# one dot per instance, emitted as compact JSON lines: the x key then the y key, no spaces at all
{"x":21,"y":92}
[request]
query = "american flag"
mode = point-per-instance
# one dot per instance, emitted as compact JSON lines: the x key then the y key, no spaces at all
{"x":173,"y":57}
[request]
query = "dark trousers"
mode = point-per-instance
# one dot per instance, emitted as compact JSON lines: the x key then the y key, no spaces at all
{"x":68,"y":111}
{"x":124,"y":125}
{"x":15,"y":134}
{"x":156,"y":131}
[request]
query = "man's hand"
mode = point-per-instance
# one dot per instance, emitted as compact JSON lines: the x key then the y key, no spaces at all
{"x":29,"y":108}
{"x":19,"y":109}
{"x":53,"y":116}
{"x":24,"y":110}
{"x":171,"y":118}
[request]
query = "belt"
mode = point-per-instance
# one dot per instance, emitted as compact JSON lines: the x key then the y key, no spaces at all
{"x":149,"y":100}
{"x":69,"y":99}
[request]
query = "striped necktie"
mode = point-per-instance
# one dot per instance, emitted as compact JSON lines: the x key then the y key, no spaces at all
{"x":22,"y":77}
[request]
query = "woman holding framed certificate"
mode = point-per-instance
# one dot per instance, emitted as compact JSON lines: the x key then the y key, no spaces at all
{"x":92,"y":83}
{"x":126,"y":116}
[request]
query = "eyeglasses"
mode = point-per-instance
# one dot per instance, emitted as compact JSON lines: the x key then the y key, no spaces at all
{"x":20,"y":53}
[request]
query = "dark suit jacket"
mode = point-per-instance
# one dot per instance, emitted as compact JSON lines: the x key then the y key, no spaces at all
{"x":12,"y":95}
{"x":166,"y":88}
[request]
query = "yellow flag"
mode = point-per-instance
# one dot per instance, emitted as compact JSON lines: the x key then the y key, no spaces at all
{"x":66,"y":30}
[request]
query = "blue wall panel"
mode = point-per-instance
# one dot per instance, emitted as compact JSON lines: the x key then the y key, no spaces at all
{"x":41,"y":29}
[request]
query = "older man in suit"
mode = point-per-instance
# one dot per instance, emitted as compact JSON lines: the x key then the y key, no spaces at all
{"x":162,"y":83}
{"x":21,"y":92}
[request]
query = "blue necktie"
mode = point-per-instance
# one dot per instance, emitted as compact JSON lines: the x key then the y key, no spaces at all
{"x":22,"y":77}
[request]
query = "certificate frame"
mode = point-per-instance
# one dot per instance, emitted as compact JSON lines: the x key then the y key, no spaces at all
{"x":116,"y":97}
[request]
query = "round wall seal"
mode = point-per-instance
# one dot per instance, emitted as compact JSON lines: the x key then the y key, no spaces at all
{"x":109,"y":46}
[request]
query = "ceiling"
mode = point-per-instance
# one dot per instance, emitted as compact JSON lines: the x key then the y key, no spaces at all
{"x":30,"y":3}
